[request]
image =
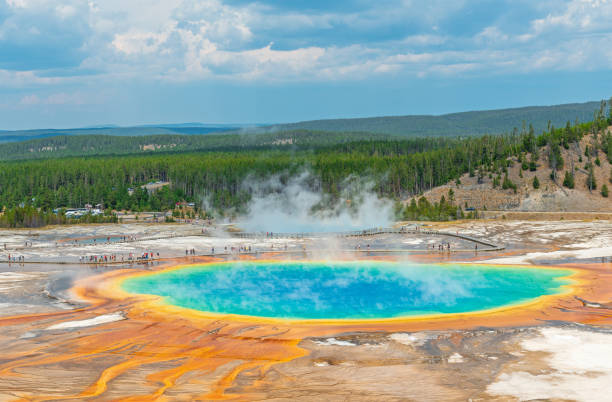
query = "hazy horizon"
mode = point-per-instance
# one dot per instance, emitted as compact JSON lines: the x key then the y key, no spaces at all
{"x":162,"y":124}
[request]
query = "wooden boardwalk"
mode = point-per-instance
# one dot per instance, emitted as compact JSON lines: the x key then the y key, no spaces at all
{"x":487,"y":246}
{"x":490,"y":246}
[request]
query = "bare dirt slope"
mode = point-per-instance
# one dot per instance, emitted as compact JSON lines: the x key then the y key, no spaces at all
{"x":551,"y":196}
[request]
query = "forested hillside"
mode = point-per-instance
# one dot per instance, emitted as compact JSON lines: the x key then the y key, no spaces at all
{"x":399,"y":169}
{"x":188,"y":129}
{"x":458,"y":124}
{"x":291,"y":137}
{"x":90,"y":145}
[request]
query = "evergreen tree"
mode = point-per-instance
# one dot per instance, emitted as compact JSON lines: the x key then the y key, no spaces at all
{"x":508,"y":184}
{"x":591,"y":183}
{"x":568,"y":180}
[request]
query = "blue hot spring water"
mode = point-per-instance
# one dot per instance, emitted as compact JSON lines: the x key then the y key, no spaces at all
{"x":347,"y":290}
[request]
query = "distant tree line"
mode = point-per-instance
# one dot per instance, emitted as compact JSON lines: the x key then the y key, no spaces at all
{"x":30,"y":217}
{"x":216,"y":178}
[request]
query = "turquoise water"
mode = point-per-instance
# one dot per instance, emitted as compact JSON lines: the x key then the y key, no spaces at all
{"x":346,"y":290}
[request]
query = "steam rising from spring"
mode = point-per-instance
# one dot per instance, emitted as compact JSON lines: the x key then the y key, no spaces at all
{"x":296,"y":206}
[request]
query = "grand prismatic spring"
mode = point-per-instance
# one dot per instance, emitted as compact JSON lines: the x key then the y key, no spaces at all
{"x":347,"y":290}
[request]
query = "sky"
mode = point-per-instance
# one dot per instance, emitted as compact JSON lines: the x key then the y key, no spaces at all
{"x":78,"y":63}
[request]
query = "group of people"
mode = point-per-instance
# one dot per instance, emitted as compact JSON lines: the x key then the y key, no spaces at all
{"x":14,"y":258}
{"x":441,"y":246}
{"x":233,"y":249}
{"x":98,"y":259}
{"x":27,"y":243}
{"x":106,"y":258}
{"x":358,"y":247}
{"x":244,"y":249}
{"x":95,"y":240}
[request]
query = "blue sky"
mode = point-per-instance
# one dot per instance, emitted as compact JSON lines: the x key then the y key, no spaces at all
{"x":74,"y":63}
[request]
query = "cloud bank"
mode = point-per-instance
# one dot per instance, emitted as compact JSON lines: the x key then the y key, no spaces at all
{"x":211,"y":39}
{"x":134,"y":59}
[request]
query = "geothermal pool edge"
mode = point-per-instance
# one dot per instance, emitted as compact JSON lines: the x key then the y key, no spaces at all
{"x":157,"y":303}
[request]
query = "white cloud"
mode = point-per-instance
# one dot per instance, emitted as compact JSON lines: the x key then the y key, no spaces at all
{"x":65,"y":11}
{"x":581,"y":15}
{"x":17,"y":3}
{"x":491,"y":34}
{"x":30,"y":100}
{"x":424,"y":40}
{"x":138,"y":42}
{"x":257,"y":62}
{"x":61,"y":98}
{"x":205,"y":44}
{"x":194,"y":40}
{"x":13,"y":79}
